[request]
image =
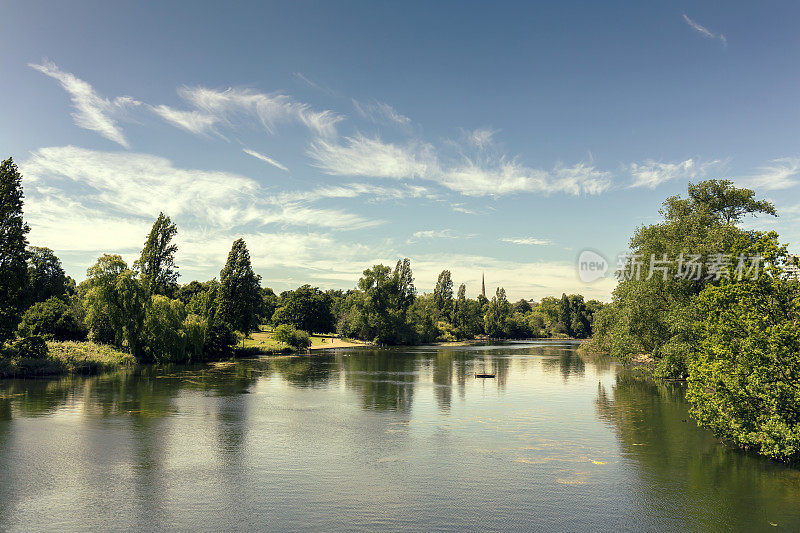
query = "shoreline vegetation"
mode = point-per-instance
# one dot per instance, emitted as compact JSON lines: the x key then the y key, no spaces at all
{"x":143,"y":311}
{"x":735,"y":340}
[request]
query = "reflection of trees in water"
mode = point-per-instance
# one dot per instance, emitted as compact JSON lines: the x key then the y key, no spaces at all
{"x":567,"y":362}
{"x":304,"y":371}
{"x":683,"y":463}
{"x":147,"y":392}
{"x":384,"y":378}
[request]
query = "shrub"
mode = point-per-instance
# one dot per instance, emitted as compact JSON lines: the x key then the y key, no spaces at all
{"x":297,"y":339}
{"x":33,"y":347}
{"x":52,"y":319}
{"x":219,"y":340}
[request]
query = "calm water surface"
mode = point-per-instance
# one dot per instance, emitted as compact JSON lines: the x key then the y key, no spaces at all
{"x":363,"y":440}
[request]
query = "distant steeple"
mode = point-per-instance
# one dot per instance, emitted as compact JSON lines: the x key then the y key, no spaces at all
{"x":483,"y":284}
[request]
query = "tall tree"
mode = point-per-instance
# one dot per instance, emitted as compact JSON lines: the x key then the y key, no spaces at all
{"x":443,"y":294}
{"x":306,"y":308}
{"x":13,"y":251}
{"x":46,"y":275}
{"x":239,"y":296}
{"x":157,"y":262}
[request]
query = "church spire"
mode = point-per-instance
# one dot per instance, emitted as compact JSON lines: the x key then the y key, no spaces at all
{"x":483,"y":284}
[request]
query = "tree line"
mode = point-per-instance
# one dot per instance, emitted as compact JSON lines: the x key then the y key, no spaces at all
{"x":141,"y":308}
{"x":734,"y":339}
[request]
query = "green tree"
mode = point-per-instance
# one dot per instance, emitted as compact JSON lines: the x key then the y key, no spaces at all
{"x":239,"y":296}
{"x":651,"y":310}
{"x":744,"y":373}
{"x":46,"y":275}
{"x":129,"y":305}
{"x":52,"y":319}
{"x":306,"y":308}
{"x":443,"y":295}
{"x":496,"y":321}
{"x":13,"y":251}
{"x":99,"y":298}
{"x":157,"y":262}
{"x":292,"y":337}
{"x":164,"y":336}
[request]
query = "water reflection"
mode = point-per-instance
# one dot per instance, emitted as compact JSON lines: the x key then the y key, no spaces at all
{"x":374,"y":439}
{"x":677,"y":460}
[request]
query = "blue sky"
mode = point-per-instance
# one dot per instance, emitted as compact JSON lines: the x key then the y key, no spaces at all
{"x":481,"y":137}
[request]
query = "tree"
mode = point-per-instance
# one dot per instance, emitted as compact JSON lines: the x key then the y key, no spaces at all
{"x":292,"y":337}
{"x":239,"y":296}
{"x":46,"y":275}
{"x":443,"y":295}
{"x":728,"y":202}
{"x":496,"y":321}
{"x":13,"y":251}
{"x":306,"y":308}
{"x":99,"y":298}
{"x":652,"y":313}
{"x":157,"y":262}
{"x":129,"y":305}
{"x":52,"y":319}
{"x":164,"y":336}
{"x":744,"y":373}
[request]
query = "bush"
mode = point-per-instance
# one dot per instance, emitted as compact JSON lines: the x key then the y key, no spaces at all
{"x":219,"y":340}
{"x":52,"y":319}
{"x":33,"y":347}
{"x":297,"y":339}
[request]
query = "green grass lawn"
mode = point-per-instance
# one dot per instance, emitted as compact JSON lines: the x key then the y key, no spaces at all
{"x":263,"y":340}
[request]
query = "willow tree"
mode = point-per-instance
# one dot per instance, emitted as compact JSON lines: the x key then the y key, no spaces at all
{"x":13,"y":251}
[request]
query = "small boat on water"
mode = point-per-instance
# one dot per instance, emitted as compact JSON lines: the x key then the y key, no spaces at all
{"x":484,"y":375}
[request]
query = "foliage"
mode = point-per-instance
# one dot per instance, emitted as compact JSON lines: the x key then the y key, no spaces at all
{"x":652,"y":314}
{"x":306,"y":308}
{"x":52,"y":319}
{"x":744,"y":375}
{"x":13,"y":251}
{"x":157,"y":262}
{"x":443,"y":295}
{"x":32,"y":347}
{"x":290,"y":336}
{"x":239,"y":298}
{"x":164,"y":338}
{"x":47,"y":278}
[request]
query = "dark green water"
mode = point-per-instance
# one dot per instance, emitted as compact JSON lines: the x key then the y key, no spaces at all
{"x":377,"y":440}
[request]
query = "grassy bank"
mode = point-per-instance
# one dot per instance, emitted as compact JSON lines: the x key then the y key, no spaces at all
{"x":67,"y":358}
{"x":262,"y":343}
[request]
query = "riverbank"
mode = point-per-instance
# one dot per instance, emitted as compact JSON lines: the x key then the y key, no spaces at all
{"x":67,"y":358}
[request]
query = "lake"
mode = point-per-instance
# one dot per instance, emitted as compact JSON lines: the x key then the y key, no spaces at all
{"x":365,"y":440}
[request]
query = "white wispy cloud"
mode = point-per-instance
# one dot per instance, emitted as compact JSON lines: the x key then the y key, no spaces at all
{"x":527,"y":241}
{"x":213,"y":108}
{"x":356,"y":190}
{"x":705,"y":32}
{"x":371,"y":157}
{"x":782,"y":173}
{"x":653,"y":173}
{"x":123,"y":185}
{"x":482,"y":138}
{"x":196,"y":122}
{"x":380,"y":112}
{"x":92,"y":111}
{"x":472,"y":176}
{"x":434,"y":234}
{"x":265,"y":158}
